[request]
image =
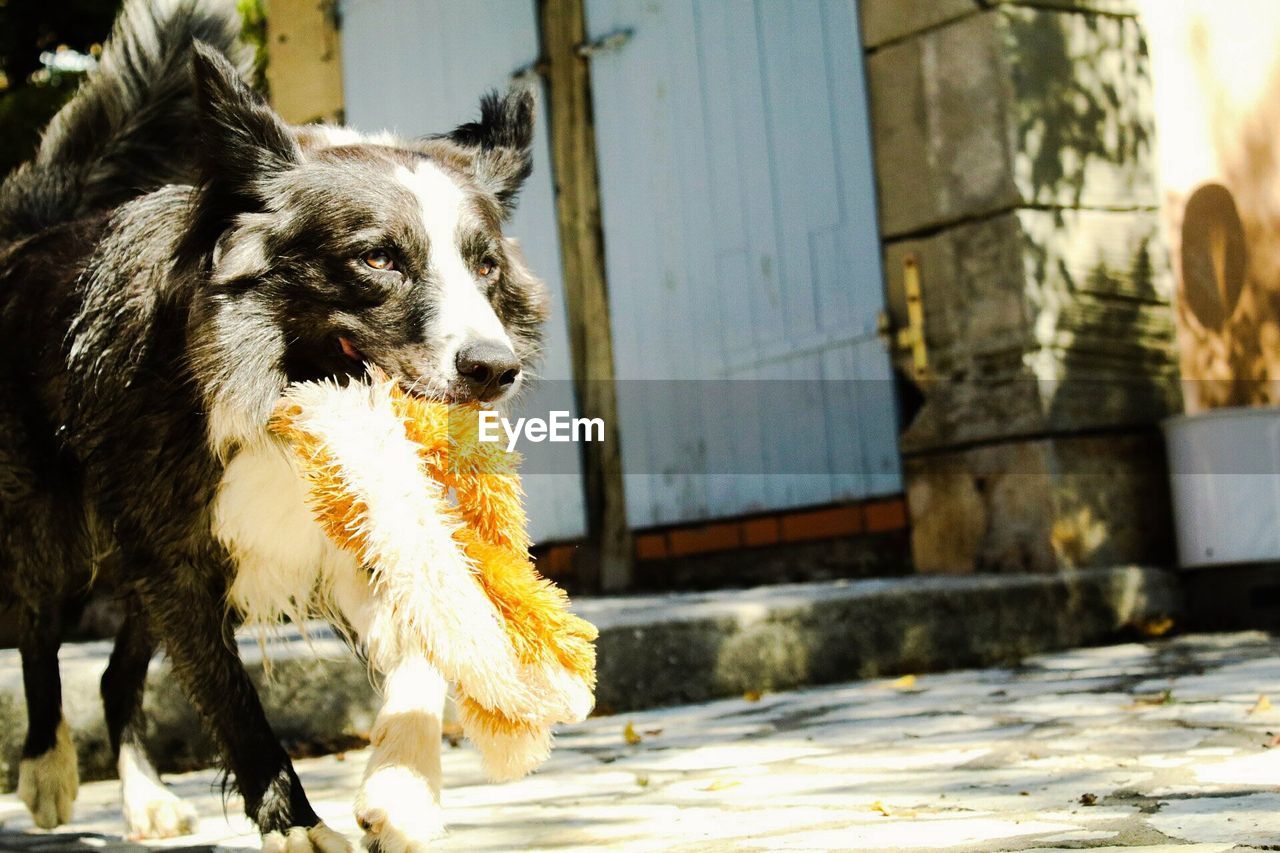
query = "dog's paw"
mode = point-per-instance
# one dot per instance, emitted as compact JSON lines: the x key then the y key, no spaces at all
{"x":398,"y":811}
{"x":48,"y":783}
{"x":153,"y":811}
{"x":300,"y":839}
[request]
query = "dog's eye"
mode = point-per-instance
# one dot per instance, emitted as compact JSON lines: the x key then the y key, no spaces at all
{"x":379,"y":259}
{"x":487,"y":268}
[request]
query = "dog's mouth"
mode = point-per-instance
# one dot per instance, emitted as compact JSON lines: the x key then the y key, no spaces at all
{"x":351,"y":351}
{"x":366,"y":366}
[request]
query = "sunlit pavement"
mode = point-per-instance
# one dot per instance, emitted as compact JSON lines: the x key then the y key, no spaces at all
{"x":1153,"y":745}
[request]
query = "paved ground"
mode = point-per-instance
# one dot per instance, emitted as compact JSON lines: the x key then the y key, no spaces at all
{"x":1124,"y":746}
{"x":721,"y":643}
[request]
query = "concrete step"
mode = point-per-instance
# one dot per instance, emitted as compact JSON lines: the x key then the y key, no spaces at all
{"x":654,"y":650}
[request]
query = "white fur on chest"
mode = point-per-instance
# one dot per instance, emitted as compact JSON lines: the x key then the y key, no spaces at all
{"x":284,"y":561}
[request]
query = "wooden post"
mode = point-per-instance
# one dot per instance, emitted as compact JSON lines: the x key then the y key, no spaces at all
{"x":304,"y":68}
{"x":610,"y":556}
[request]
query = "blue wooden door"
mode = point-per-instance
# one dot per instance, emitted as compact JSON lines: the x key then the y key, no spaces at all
{"x":419,"y":67}
{"x":743,"y":260}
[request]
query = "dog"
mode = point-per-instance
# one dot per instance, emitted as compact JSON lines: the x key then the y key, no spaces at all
{"x":174,"y":256}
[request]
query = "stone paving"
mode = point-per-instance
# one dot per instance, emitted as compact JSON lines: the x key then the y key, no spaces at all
{"x":1158,"y":745}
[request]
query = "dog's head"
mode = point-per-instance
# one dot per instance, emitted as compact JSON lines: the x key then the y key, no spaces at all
{"x":321,"y":252}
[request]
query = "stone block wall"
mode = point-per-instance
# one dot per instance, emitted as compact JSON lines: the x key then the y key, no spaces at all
{"x":1014,"y":158}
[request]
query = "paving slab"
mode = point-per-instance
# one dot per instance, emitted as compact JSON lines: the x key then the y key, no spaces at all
{"x":1159,"y":745}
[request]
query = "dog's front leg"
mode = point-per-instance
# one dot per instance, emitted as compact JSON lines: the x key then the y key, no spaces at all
{"x":398,"y":804}
{"x":191,"y":620}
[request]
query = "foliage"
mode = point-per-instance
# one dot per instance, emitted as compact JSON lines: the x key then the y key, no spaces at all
{"x":29,"y":94}
{"x":253,"y":13}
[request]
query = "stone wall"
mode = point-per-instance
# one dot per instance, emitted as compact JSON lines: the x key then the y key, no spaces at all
{"x":1014,"y":150}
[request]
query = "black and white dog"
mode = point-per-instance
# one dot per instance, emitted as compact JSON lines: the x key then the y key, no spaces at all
{"x":173,"y":257}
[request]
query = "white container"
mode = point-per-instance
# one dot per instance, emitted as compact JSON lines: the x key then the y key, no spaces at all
{"x":1224,"y":466}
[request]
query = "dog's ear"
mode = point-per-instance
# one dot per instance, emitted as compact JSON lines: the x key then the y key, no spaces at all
{"x":241,"y":142}
{"x":501,"y":143}
{"x":242,"y":137}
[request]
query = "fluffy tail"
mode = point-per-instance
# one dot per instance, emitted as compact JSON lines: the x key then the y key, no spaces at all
{"x":129,"y":128}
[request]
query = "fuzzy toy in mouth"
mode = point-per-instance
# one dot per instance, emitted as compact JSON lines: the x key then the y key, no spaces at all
{"x":437,"y":518}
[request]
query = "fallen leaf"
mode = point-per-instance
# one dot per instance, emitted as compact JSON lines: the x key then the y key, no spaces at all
{"x":1164,"y":697}
{"x":1155,"y":627}
{"x":753,"y":695}
{"x":1262,"y":705}
{"x":1088,"y":799}
{"x":642,"y":779}
{"x":879,"y":806}
{"x":906,"y":682}
{"x":630,"y":735}
{"x":721,"y":784}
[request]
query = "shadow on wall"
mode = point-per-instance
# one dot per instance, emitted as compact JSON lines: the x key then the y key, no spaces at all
{"x":1081,"y":97}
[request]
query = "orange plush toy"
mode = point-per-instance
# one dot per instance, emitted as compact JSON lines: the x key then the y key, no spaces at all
{"x":435,"y":517}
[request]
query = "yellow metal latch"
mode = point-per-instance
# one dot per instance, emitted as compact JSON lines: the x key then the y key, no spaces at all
{"x":912,"y":337}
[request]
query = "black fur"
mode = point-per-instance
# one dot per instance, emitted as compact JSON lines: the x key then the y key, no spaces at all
{"x":243,"y":140}
{"x":153,"y":307}
{"x":503,"y":142}
{"x":40,"y":679}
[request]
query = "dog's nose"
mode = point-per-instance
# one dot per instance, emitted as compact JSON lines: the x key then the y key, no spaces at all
{"x":489,"y":368}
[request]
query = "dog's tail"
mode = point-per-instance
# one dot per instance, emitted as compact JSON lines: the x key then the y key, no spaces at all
{"x":130,"y":127}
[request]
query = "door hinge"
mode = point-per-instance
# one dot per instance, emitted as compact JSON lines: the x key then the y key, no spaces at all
{"x":910,"y":339}
{"x":530,"y":72}
{"x":607,"y":43}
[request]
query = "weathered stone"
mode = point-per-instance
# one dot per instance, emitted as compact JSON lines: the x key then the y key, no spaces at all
{"x":937,"y":106}
{"x":1042,"y":506}
{"x":1128,"y":8}
{"x":888,"y":20}
{"x":1013,"y":106}
{"x":1038,"y":322}
{"x":973,"y":281}
{"x":818,"y":633}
